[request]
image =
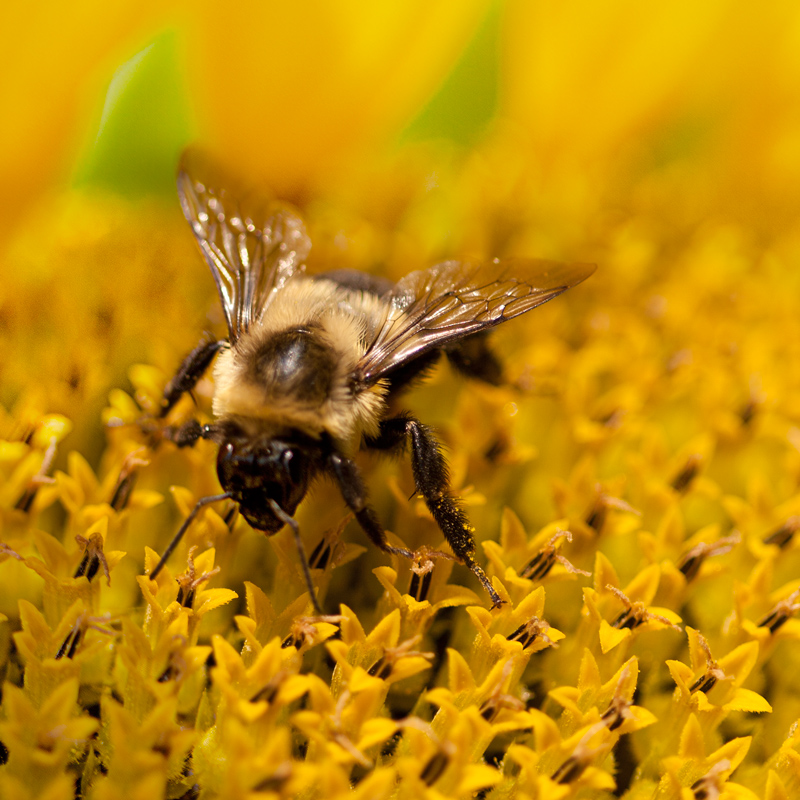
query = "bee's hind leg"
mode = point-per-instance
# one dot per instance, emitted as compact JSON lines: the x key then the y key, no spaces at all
{"x":474,"y":358}
{"x":433,"y":483}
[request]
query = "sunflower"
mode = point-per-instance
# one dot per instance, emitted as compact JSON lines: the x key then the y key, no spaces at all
{"x":634,"y":483}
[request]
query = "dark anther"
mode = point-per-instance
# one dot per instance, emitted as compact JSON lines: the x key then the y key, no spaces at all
{"x":419,"y":587}
{"x":690,"y":565}
{"x":167,"y":675}
{"x":783,"y":535}
{"x":684,"y":478}
{"x":569,"y":771}
{"x":489,"y":709}
{"x":774,"y":620}
{"x":122,"y":491}
{"x":433,"y":770}
{"x":612,"y":717}
{"x":627,"y":619}
{"x":320,"y":556}
{"x":70,"y":644}
{"x":524,"y":635}
{"x":381,"y":668}
{"x":596,"y":518}
{"x":704,"y":684}
{"x":748,"y":412}
{"x":538,"y":567}
{"x":26,"y":500}
{"x":186,"y":595}
{"x":88,"y":566}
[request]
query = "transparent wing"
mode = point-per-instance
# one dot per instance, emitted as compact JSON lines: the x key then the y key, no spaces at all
{"x":431,"y":308}
{"x":249,"y":261}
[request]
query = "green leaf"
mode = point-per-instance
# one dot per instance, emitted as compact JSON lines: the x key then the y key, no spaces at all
{"x":145,"y":124}
{"x":467,"y":101}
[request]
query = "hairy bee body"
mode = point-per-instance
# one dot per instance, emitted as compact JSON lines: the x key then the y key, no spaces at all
{"x":310,"y":365}
{"x":294,"y":367}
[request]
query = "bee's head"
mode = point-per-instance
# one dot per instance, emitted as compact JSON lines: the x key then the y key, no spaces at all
{"x":256,"y":470}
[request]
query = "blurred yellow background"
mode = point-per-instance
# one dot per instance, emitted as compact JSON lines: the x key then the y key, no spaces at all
{"x":606,"y":132}
{"x":295,"y":95}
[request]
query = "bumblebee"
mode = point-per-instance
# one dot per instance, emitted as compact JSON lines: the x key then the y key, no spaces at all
{"x":312,"y":366}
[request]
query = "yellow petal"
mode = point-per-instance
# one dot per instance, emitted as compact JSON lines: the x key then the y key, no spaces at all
{"x":747,"y":700}
{"x":329,"y":80}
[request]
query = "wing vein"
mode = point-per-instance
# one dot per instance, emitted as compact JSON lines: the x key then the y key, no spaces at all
{"x":248,"y":262}
{"x":431,"y":308}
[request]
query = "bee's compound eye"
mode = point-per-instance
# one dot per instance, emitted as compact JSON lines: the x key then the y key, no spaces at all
{"x":227,"y":466}
{"x":296,"y":466}
{"x":226,"y":455}
{"x":289,"y":462}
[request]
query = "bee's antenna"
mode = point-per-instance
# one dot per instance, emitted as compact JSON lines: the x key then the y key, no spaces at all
{"x":203,"y":501}
{"x":292,"y":523}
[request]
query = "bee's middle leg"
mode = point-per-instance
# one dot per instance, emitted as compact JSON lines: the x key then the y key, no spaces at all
{"x":351,"y":485}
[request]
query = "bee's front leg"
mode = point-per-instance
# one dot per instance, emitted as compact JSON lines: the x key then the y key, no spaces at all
{"x":185,"y":379}
{"x":433,"y":483}
{"x":186,"y":435}
{"x":189,"y":373}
